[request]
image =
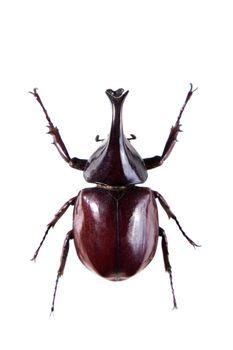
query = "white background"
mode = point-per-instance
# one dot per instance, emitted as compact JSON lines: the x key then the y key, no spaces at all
{"x":73,"y":51}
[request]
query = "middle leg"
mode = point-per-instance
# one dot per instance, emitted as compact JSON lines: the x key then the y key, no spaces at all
{"x":170,"y":214}
{"x":53,"y":222}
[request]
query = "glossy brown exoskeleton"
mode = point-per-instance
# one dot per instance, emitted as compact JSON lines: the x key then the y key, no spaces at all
{"x":115,"y":224}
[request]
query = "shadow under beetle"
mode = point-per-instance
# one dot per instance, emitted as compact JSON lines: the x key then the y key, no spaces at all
{"x":115,"y":224}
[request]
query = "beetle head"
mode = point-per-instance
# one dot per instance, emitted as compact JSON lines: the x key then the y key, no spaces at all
{"x":116,"y":162}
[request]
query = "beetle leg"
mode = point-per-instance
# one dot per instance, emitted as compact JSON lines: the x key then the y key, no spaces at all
{"x":170,"y":214}
{"x":53,"y":222}
{"x":156,"y":161}
{"x":57,"y":140}
{"x":65,"y":251}
{"x":167,"y":264}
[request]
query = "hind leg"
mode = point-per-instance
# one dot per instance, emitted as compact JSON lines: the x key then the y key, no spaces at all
{"x":65,"y":251}
{"x":167,"y":264}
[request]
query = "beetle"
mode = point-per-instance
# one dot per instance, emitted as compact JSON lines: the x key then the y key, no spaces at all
{"x":115,"y":224}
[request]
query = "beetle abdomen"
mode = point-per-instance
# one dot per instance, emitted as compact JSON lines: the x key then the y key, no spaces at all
{"x":116,"y":232}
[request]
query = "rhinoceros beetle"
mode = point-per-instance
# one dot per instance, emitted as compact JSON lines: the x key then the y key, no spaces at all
{"x":115,"y":224}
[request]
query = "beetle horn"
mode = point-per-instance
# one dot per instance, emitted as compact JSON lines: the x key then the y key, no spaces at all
{"x":117,"y":96}
{"x":116,"y":162}
{"x":117,"y":99}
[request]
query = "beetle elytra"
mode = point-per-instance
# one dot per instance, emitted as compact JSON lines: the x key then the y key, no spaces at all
{"x":115,"y":224}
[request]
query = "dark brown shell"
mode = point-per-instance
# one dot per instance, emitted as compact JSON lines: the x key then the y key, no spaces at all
{"x":111,"y":235}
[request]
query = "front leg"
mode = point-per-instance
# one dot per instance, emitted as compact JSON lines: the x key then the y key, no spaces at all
{"x":57,"y":140}
{"x":156,"y":161}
